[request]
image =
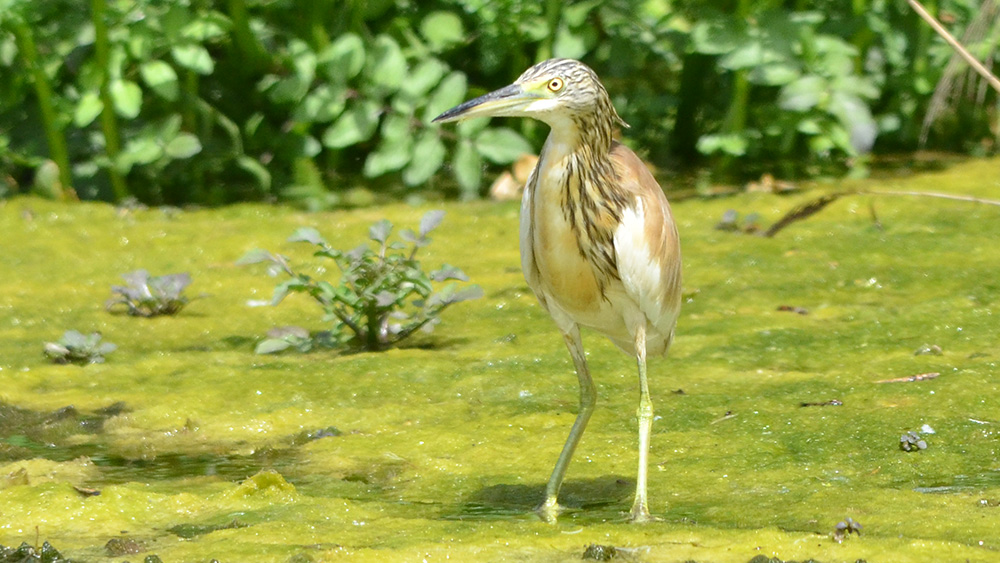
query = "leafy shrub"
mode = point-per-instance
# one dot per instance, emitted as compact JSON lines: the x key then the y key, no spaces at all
{"x":384,"y":295}
{"x":213,"y":102}
{"x":150,"y":296}
{"x":77,"y":348}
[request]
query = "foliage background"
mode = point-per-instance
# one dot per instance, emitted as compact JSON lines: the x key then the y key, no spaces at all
{"x":327,"y":103}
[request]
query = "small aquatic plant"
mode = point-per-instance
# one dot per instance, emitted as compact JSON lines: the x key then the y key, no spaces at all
{"x":845,"y":528}
{"x":150,"y":296}
{"x":77,"y":348}
{"x":912,"y":442}
{"x":384,"y":295}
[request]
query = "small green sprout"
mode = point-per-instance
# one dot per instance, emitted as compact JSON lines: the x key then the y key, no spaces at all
{"x":150,"y":296}
{"x":383,"y":296}
{"x":77,"y":348}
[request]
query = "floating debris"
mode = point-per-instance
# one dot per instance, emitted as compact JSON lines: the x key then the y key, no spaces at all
{"x":928,"y":349}
{"x":727,"y":416}
{"x":793,"y":309}
{"x":911,"y":442}
{"x":87,"y":492}
{"x":597,"y":552}
{"x":830,"y":403}
{"x":116,"y":547}
{"x":918,"y":377}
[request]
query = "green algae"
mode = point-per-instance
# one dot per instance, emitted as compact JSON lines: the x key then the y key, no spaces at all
{"x":440,"y":449}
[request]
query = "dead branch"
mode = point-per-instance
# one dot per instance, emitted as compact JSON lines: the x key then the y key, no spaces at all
{"x":973,"y":62}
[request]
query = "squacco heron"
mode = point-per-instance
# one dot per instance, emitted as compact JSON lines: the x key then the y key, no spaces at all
{"x":599,"y":247}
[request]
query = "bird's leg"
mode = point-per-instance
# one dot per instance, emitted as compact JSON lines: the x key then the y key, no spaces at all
{"x":550,"y":509}
{"x":640,"y":508}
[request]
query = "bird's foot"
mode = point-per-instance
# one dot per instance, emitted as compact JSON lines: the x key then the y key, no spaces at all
{"x":640,"y":515}
{"x":549,"y":510}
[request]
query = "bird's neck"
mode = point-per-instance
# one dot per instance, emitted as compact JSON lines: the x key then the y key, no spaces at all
{"x":572,"y":135}
{"x":577,"y":172}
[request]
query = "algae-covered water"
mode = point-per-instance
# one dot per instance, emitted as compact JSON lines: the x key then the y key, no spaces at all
{"x":201,"y":449}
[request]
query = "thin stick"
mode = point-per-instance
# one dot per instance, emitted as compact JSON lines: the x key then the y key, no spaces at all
{"x":968,"y":198}
{"x":973,"y":62}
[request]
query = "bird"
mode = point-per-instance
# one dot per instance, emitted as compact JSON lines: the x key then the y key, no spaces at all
{"x":599,"y":245}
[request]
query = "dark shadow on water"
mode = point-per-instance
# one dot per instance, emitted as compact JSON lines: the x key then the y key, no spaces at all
{"x":67,"y":434}
{"x":605,"y":497}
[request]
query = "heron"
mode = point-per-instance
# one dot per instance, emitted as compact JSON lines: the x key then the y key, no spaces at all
{"x":599,"y":246}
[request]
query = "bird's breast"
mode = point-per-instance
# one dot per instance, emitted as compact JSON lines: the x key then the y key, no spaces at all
{"x":563,"y":272}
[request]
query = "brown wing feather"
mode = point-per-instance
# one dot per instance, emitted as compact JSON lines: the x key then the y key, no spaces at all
{"x":660,"y":234}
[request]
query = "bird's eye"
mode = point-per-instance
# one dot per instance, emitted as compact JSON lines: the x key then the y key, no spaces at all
{"x":555,"y":84}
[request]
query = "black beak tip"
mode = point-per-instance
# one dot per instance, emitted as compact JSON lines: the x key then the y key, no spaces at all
{"x":449,"y":115}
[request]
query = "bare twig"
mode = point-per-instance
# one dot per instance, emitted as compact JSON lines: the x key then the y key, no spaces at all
{"x":814,"y":206}
{"x":968,"y":198}
{"x":973,"y":62}
{"x":949,"y":88}
{"x":912,"y":378}
{"x":807,"y":209}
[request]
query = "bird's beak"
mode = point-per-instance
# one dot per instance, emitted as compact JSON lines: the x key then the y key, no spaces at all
{"x":503,"y":102}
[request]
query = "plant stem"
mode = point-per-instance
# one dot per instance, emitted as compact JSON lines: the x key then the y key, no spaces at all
{"x":254,"y":56}
{"x":973,"y":62}
{"x":109,"y":125}
{"x":736,"y":116}
{"x":43,"y":91}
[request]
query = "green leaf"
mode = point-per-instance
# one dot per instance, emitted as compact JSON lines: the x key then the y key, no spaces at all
{"x":355,"y":125}
{"x":307,"y":234}
{"x":257,"y":170}
{"x":255,"y":256}
{"x":396,"y":127}
{"x":751,"y":54}
{"x":206,"y":28}
{"x":289,"y":90}
{"x":87,"y":109}
{"x":423,"y":77}
{"x":184,"y":145}
{"x":272,"y":345}
{"x":803,"y":94}
{"x":775,"y":74}
{"x":502,"y":145}
{"x":322,"y":105}
{"x":391,"y":155}
{"x":161,"y":79}
{"x":570,"y":44}
{"x":388,"y":65}
{"x":468,"y":128}
{"x":344,"y":58}
{"x":379,"y":232}
{"x":466,"y":293}
{"x":143,"y":150}
{"x":428,"y":156}
{"x":126,"y":96}
{"x":430,"y":221}
{"x":449,"y":93}
{"x":467,"y":168}
{"x":808,"y":127}
{"x":732,"y":144}
{"x":716,"y":35}
{"x":193,"y":57}
{"x":442,"y":30}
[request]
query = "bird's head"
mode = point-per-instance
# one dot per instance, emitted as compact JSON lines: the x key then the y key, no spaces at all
{"x":551,"y":91}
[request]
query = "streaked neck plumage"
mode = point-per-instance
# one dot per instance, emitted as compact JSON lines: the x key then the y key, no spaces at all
{"x":577,"y":158}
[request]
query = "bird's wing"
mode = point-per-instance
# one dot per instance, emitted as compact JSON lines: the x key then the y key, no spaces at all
{"x":647,"y":247}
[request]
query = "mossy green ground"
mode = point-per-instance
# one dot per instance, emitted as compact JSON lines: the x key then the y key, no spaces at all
{"x":446,"y":444}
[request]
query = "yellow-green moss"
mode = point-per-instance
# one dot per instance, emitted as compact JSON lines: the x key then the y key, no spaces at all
{"x":445,"y":445}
